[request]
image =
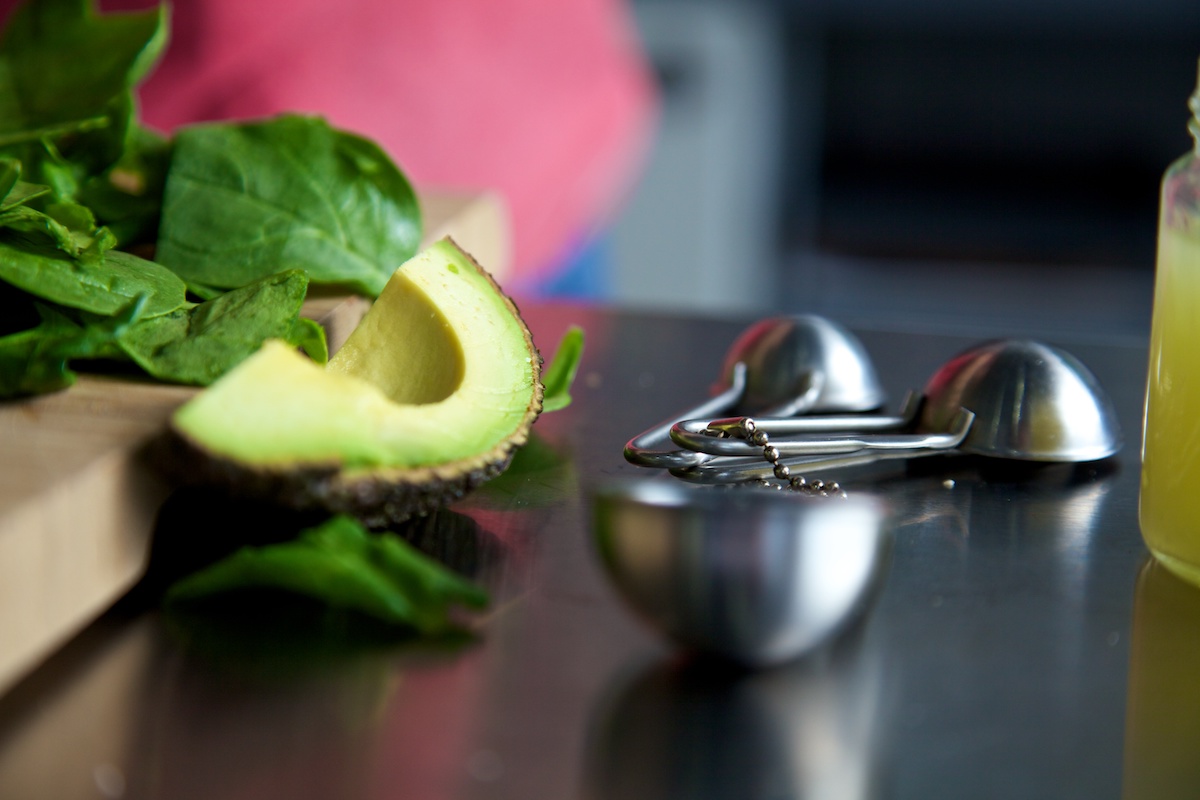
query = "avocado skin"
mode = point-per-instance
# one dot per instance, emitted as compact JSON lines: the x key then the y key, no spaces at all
{"x":378,"y":497}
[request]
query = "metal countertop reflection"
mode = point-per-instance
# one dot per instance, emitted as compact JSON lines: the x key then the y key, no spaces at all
{"x":994,"y":661}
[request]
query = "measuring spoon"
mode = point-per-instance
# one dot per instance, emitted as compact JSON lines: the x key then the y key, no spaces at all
{"x":779,"y":366}
{"x":1031,"y":402}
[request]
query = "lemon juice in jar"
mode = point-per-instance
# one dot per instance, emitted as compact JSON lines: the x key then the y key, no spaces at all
{"x":1169,"y":508}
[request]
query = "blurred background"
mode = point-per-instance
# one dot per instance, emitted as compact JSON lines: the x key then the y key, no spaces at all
{"x":927,"y":163}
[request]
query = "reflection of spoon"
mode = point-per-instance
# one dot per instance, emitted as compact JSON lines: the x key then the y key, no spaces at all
{"x":1032,"y":402}
{"x":779,"y":366}
{"x":691,"y":729}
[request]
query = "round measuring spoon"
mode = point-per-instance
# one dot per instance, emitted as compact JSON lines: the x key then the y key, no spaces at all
{"x":755,"y":577}
{"x":780,"y":367}
{"x":1031,"y":402}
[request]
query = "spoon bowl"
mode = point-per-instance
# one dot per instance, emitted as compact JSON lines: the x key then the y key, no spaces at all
{"x":756,"y":577}
{"x":780,"y":366}
{"x":1032,"y":402}
{"x":779,"y":352}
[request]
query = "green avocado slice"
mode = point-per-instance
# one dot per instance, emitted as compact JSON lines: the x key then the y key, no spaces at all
{"x":429,"y":396}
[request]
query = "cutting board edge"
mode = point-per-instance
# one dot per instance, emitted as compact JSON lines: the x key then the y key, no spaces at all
{"x":95,"y":563}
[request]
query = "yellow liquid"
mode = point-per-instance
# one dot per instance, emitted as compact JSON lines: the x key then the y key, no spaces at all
{"x":1162,"y":709}
{"x":1169,"y":510}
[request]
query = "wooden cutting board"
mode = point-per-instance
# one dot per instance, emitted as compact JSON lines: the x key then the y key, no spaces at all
{"x":77,"y":502}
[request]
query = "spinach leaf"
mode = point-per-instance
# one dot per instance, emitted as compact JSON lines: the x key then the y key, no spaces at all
{"x":33,"y":258}
{"x":66,"y":75}
{"x":204,"y":292}
{"x":36,"y":361}
{"x":127,"y":197}
{"x":22,"y":193}
{"x":559,"y":376}
{"x":87,"y":147}
{"x":14,"y":191}
{"x":10,"y":173}
{"x":51,"y":229}
{"x":309,"y":336}
{"x":12,"y":213}
{"x":201,"y":343}
{"x":341,"y":564}
{"x":247,"y":200}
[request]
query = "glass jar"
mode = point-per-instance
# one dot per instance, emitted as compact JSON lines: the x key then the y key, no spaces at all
{"x":1169,"y":508}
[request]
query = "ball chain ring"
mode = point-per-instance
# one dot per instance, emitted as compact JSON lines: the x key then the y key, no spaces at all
{"x":749,"y":431}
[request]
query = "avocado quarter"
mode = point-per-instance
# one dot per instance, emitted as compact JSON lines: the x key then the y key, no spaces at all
{"x":429,"y":397}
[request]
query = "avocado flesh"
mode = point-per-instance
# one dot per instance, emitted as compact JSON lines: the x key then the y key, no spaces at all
{"x":427,"y":398}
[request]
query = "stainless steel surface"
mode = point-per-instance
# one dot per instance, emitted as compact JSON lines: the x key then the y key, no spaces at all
{"x":780,"y":366}
{"x":994,"y":663}
{"x":761,"y":749}
{"x":755,"y":576}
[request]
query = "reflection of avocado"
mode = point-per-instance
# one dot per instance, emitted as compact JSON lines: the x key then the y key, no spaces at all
{"x":429,"y":397}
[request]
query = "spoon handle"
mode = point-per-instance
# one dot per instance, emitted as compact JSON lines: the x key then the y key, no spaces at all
{"x":642,"y":450}
{"x":779,"y":425}
{"x":725,"y":470}
{"x":697,"y":435}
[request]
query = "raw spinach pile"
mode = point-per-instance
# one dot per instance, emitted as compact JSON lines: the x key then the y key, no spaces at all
{"x":238,"y":218}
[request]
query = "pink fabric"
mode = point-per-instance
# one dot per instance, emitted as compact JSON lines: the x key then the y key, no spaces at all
{"x":550,"y":102}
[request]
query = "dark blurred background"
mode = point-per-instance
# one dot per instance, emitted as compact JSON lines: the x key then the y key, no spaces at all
{"x":940,"y":163}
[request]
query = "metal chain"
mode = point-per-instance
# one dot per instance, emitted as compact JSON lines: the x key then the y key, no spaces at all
{"x":748,"y":430}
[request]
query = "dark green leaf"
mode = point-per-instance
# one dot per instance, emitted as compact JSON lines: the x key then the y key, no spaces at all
{"x":37,"y":137}
{"x":37,"y":361}
{"x":67,"y":158}
{"x":74,"y":216}
{"x":66,"y":87}
{"x":16,"y":195}
{"x":22,"y":193}
{"x":127,"y":198}
{"x":66,"y":226}
{"x":103,"y":284}
{"x":39,"y":225}
{"x":343,"y":565}
{"x":10,"y":173}
{"x":244,"y":201}
{"x":199,"y":344}
{"x":204,"y":292}
{"x":61,"y":63}
{"x":559,"y":376}
{"x":31,"y":209}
